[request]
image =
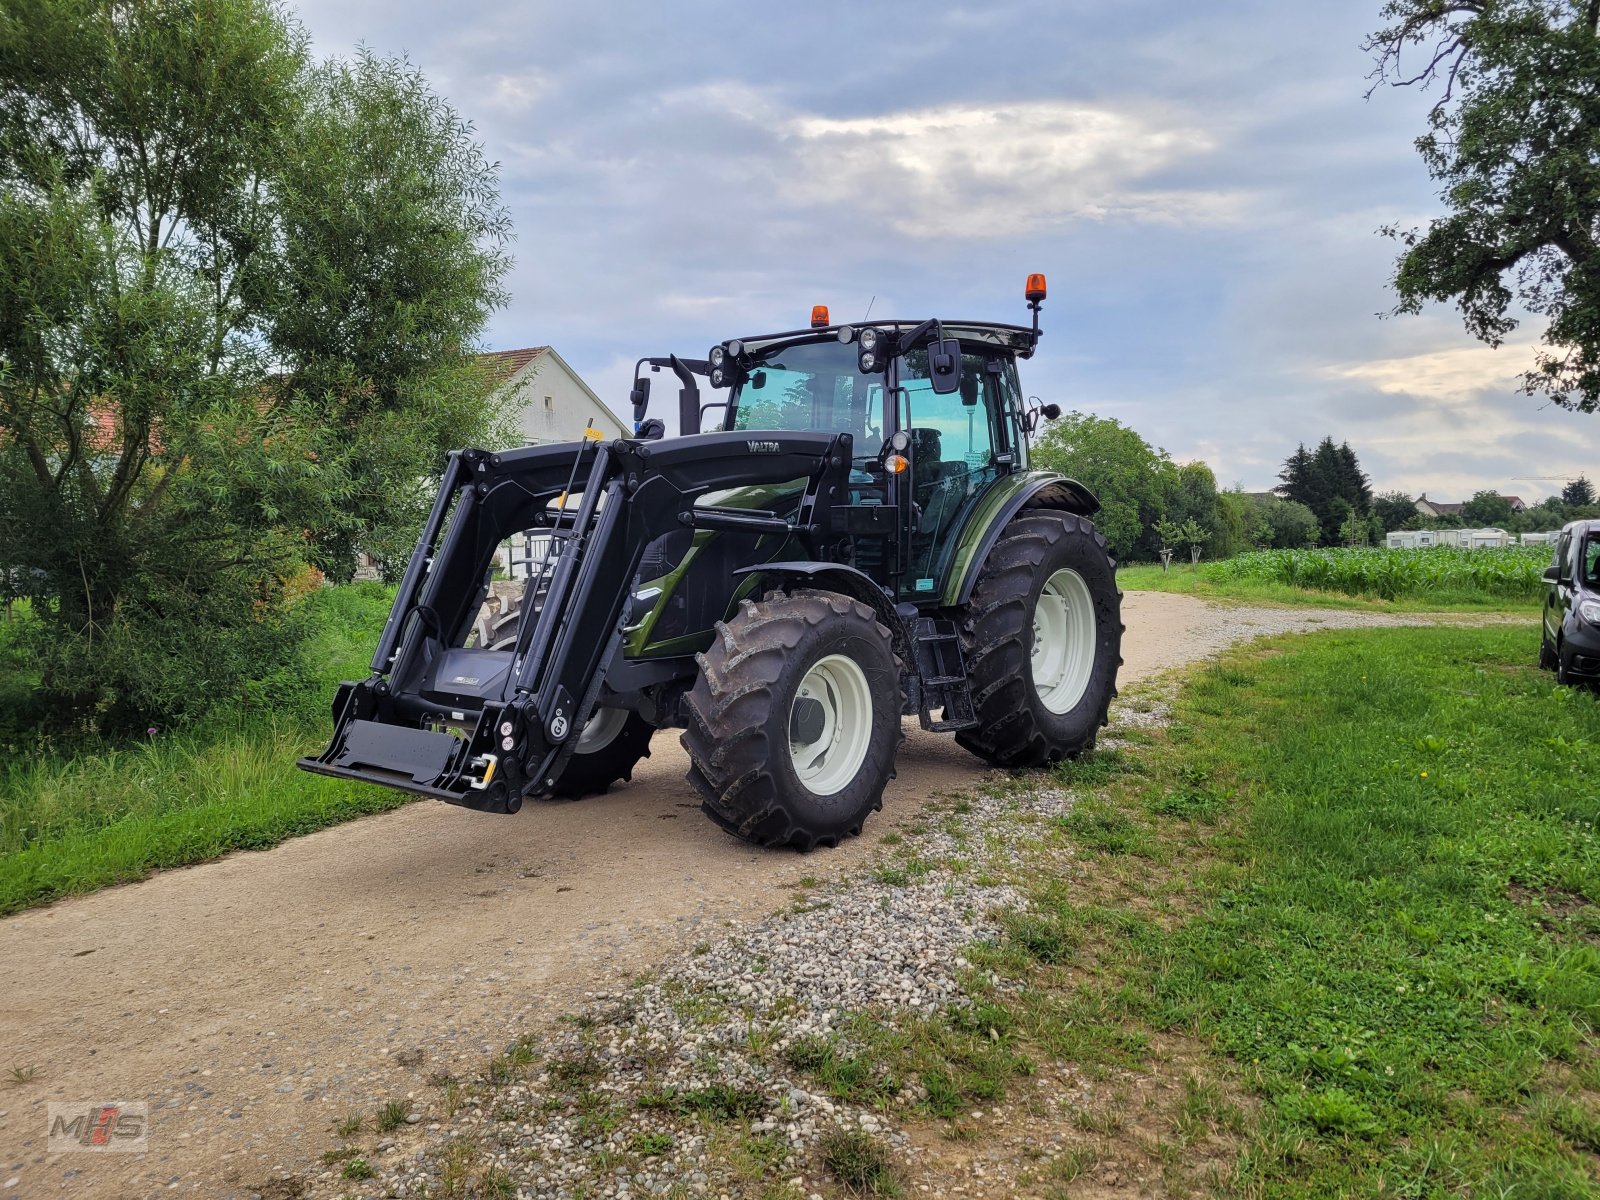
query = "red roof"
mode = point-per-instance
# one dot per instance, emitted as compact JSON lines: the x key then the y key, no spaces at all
{"x":503,"y":364}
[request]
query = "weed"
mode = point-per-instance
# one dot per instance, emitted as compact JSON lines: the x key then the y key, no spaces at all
{"x":21,"y":1075}
{"x":650,"y":1144}
{"x":350,"y":1125}
{"x":860,"y":1162}
{"x":392,"y":1115}
{"x":719,"y":1100}
{"x":357,"y":1168}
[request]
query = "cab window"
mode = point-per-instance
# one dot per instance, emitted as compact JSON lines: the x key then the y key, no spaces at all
{"x":813,"y":386}
{"x":1591,"y":559}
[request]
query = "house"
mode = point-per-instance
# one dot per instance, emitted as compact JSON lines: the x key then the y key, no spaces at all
{"x":1438,"y":508}
{"x":1443,"y":508}
{"x":556,"y":405}
{"x":556,"y":402}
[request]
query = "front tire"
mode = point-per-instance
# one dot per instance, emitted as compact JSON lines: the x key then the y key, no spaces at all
{"x":608,"y":749}
{"x":793,"y":723}
{"x":1042,"y":636}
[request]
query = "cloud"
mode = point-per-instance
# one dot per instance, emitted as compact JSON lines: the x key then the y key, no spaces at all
{"x":1002,"y":171}
{"x":515,"y":95}
{"x":1451,"y":377}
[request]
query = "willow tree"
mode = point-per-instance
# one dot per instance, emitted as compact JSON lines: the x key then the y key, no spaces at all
{"x":1513,"y":140}
{"x":222,"y":358}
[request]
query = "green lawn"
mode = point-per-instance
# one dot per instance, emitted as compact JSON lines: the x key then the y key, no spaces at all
{"x":72,"y":822}
{"x":1359,"y":873}
{"x":1191,"y":581}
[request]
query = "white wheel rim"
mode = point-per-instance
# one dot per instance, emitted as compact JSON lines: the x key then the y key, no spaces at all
{"x":830,"y":725}
{"x":1063,"y":641}
{"x":601,"y":730}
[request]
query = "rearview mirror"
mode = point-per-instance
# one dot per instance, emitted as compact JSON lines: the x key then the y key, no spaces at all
{"x":1552,"y":574}
{"x":944,"y":366}
{"x":640,"y":396}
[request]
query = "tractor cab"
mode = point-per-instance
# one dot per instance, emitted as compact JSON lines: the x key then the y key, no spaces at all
{"x":934,"y":409}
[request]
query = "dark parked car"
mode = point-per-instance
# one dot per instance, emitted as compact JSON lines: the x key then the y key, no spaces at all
{"x":1570,"y":638}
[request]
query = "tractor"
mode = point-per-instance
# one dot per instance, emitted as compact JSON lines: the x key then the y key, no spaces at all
{"x":858,"y":538}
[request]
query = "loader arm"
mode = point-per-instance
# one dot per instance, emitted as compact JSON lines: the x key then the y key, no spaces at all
{"x":486,"y":728}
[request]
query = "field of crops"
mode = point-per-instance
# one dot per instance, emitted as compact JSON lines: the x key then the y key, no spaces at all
{"x":1512,"y":573}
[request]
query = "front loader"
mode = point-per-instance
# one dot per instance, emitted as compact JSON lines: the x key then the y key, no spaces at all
{"x":860,"y":538}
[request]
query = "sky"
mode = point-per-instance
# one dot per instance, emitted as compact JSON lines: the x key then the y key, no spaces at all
{"x":1203,"y":185}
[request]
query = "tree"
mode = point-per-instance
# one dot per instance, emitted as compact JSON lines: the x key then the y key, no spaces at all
{"x":1286,"y":524}
{"x":1579,"y":492}
{"x":1393,"y":510}
{"x":1130,"y":477}
{"x":1192,"y":496}
{"x":1329,"y":481}
{"x":238,"y":294}
{"x":1486,"y":509}
{"x":1513,"y":140}
{"x":1176,"y":534}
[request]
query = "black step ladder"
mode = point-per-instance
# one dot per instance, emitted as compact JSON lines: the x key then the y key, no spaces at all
{"x":941,"y":678}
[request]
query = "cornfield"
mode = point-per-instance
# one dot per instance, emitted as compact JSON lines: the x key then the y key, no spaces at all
{"x":1513,"y":573}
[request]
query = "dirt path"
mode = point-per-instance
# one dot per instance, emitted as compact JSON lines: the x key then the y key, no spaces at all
{"x":255,"y":1001}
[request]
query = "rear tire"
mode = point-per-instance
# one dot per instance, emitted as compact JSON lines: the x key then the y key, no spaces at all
{"x":793,"y":723}
{"x":1042,"y":636}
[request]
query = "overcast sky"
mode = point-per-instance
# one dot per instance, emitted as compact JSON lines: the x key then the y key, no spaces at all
{"x":1201,"y":183}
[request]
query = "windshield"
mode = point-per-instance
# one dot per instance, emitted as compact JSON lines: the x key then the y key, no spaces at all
{"x":814,"y":385}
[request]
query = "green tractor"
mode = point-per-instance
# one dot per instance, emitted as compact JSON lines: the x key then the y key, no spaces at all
{"x":860,"y":538}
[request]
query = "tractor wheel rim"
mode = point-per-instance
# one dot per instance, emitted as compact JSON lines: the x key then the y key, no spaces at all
{"x":826,"y":762}
{"x":1062,"y":658}
{"x":601,"y":730}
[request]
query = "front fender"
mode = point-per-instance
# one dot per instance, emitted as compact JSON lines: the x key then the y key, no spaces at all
{"x":1003,"y":501}
{"x":847,"y":581}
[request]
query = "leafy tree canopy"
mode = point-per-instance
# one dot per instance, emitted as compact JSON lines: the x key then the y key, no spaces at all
{"x":1514,"y":142}
{"x":238,"y":298}
{"x":1131,"y":478}
{"x":1487,"y":509}
{"x":1394,"y":509}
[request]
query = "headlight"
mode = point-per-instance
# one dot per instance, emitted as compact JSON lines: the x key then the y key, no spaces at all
{"x":718,"y":377}
{"x":869,"y":339}
{"x":1589,"y":610}
{"x":716,"y":356}
{"x":735,"y":348}
{"x":869,"y":363}
{"x":847,"y":334}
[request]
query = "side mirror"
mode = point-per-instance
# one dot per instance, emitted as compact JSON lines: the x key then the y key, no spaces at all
{"x":640,"y":396}
{"x":944,"y":366}
{"x":1050,"y":411}
{"x":1552,"y":574}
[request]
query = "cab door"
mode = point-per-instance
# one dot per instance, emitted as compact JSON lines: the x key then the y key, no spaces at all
{"x":958,"y":449}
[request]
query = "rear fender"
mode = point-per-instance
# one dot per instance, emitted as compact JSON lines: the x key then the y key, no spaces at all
{"x":1009,"y":497}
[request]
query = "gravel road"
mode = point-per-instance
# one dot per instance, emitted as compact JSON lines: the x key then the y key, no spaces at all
{"x":255,"y":1000}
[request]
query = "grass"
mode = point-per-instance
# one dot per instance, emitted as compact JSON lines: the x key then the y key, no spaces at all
{"x":1370,"y":894}
{"x":1189,"y":580}
{"x":105,"y":814}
